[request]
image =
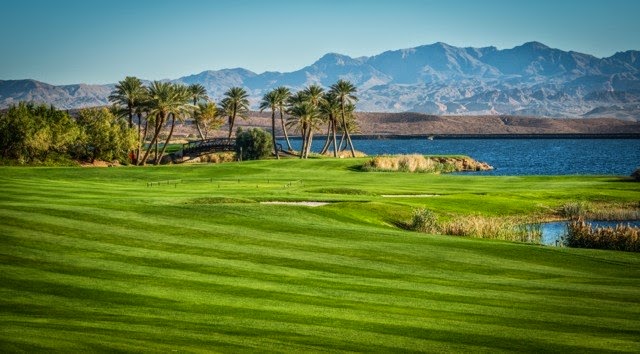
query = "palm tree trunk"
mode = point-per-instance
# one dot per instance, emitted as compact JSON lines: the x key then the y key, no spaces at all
{"x":327,"y":142}
{"x":164,"y":147}
{"x":273,"y":133}
{"x":140,"y":138}
{"x":284,"y":130}
{"x":346,"y":130}
{"x":195,"y":120}
{"x":303,"y":147}
{"x":202,"y":137}
{"x":310,"y":140}
{"x":335,"y":141}
{"x":154,"y":140}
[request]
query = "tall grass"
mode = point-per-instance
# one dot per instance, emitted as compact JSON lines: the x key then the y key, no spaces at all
{"x":500,"y":228}
{"x":603,"y":212}
{"x":620,"y":238}
{"x":403,"y":163}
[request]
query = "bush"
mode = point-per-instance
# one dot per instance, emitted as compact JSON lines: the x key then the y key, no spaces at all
{"x":574,"y":210}
{"x":620,"y":238}
{"x":253,"y":144}
{"x":424,"y":220}
{"x":636,"y":174}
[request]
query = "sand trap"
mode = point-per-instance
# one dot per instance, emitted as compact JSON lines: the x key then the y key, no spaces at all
{"x":309,"y":204}
{"x":409,"y":195}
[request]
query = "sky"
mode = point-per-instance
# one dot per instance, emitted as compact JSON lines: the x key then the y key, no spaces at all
{"x":99,"y":42}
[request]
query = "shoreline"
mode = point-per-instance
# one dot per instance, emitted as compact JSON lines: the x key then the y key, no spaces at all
{"x":483,"y":136}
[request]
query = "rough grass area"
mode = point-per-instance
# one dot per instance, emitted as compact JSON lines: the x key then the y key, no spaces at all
{"x":620,"y":238}
{"x":424,"y":164}
{"x":103,"y":260}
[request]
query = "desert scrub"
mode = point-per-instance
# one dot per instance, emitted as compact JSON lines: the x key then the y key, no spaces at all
{"x":620,"y":238}
{"x":424,"y":164}
{"x":499,"y":228}
{"x":424,"y":220}
{"x":600,"y":211}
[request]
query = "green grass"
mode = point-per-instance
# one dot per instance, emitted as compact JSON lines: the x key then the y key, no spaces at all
{"x":95,"y":260}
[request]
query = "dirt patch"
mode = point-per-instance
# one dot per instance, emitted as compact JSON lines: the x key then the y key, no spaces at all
{"x":100,"y":163}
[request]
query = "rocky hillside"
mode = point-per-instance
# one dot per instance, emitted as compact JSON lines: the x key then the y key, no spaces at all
{"x":425,"y":124}
{"x":528,"y":80}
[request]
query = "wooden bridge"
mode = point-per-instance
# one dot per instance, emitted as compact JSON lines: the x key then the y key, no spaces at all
{"x":198,"y":147}
{"x":208,"y":145}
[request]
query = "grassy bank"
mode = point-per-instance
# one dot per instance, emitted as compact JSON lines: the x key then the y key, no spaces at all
{"x":102,"y":259}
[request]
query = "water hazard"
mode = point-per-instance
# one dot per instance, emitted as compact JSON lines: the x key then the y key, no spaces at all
{"x":519,"y":156}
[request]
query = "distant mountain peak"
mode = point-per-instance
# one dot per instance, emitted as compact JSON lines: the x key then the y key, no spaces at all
{"x":438,"y":78}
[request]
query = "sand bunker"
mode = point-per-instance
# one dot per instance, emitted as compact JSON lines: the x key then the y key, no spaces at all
{"x":309,"y":204}
{"x":409,"y":195}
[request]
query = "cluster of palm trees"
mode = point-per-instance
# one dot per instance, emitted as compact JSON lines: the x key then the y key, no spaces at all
{"x":311,"y":107}
{"x":163,"y":103}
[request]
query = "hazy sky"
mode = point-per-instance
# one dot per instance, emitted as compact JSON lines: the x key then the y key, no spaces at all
{"x":94,"y":41}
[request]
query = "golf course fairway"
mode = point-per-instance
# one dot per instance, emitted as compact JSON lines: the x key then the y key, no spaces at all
{"x":188,"y":259}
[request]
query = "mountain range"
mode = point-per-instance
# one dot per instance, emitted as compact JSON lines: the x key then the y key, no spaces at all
{"x":529,"y":80}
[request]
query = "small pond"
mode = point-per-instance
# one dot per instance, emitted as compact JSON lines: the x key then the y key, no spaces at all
{"x":553,"y":232}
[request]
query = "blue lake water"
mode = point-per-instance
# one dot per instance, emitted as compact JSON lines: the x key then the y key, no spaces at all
{"x":519,"y":156}
{"x":553,"y":232}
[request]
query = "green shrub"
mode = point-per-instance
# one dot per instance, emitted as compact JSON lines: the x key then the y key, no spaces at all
{"x":574,"y":210}
{"x":636,"y":174}
{"x":424,"y":220}
{"x":253,"y":144}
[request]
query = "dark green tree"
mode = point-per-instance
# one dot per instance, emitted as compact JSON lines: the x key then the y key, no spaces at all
{"x":253,"y":144}
{"x":103,"y":136}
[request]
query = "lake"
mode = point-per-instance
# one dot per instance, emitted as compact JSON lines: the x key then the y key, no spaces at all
{"x":518,"y":156}
{"x":553,"y":232}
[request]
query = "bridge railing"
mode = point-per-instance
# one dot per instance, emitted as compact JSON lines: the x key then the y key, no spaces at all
{"x":209,"y":145}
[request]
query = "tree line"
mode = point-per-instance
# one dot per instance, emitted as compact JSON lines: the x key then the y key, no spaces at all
{"x":162,"y":103}
{"x":39,"y":134}
{"x":131,"y":130}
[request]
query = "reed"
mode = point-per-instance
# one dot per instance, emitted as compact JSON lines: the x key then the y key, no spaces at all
{"x":620,"y":238}
{"x":603,"y":212}
{"x":405,"y":163}
{"x":499,"y":228}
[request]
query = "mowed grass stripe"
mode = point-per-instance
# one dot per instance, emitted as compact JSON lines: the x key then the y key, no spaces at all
{"x":428,"y":309}
{"x":185,"y":277}
{"x":418,"y":329}
{"x":430,"y":287}
{"x":430,"y":290}
{"x":200,"y":238}
{"x":367,"y":271}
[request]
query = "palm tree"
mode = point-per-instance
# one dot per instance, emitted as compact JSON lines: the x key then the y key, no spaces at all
{"x":314,"y":94}
{"x":128,"y":93}
{"x":234,"y":104}
{"x":207,"y":115}
{"x":283,"y":95}
{"x":306,"y":117}
{"x":270,"y":101}
{"x":197,"y":93}
{"x":181,"y":98}
{"x":344,"y":92}
{"x":330,"y":109}
{"x":165,"y":100}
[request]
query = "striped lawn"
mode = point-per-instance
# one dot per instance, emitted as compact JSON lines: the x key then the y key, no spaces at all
{"x":94,"y":260}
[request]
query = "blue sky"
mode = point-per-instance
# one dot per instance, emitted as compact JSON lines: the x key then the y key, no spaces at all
{"x":94,"y":41}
